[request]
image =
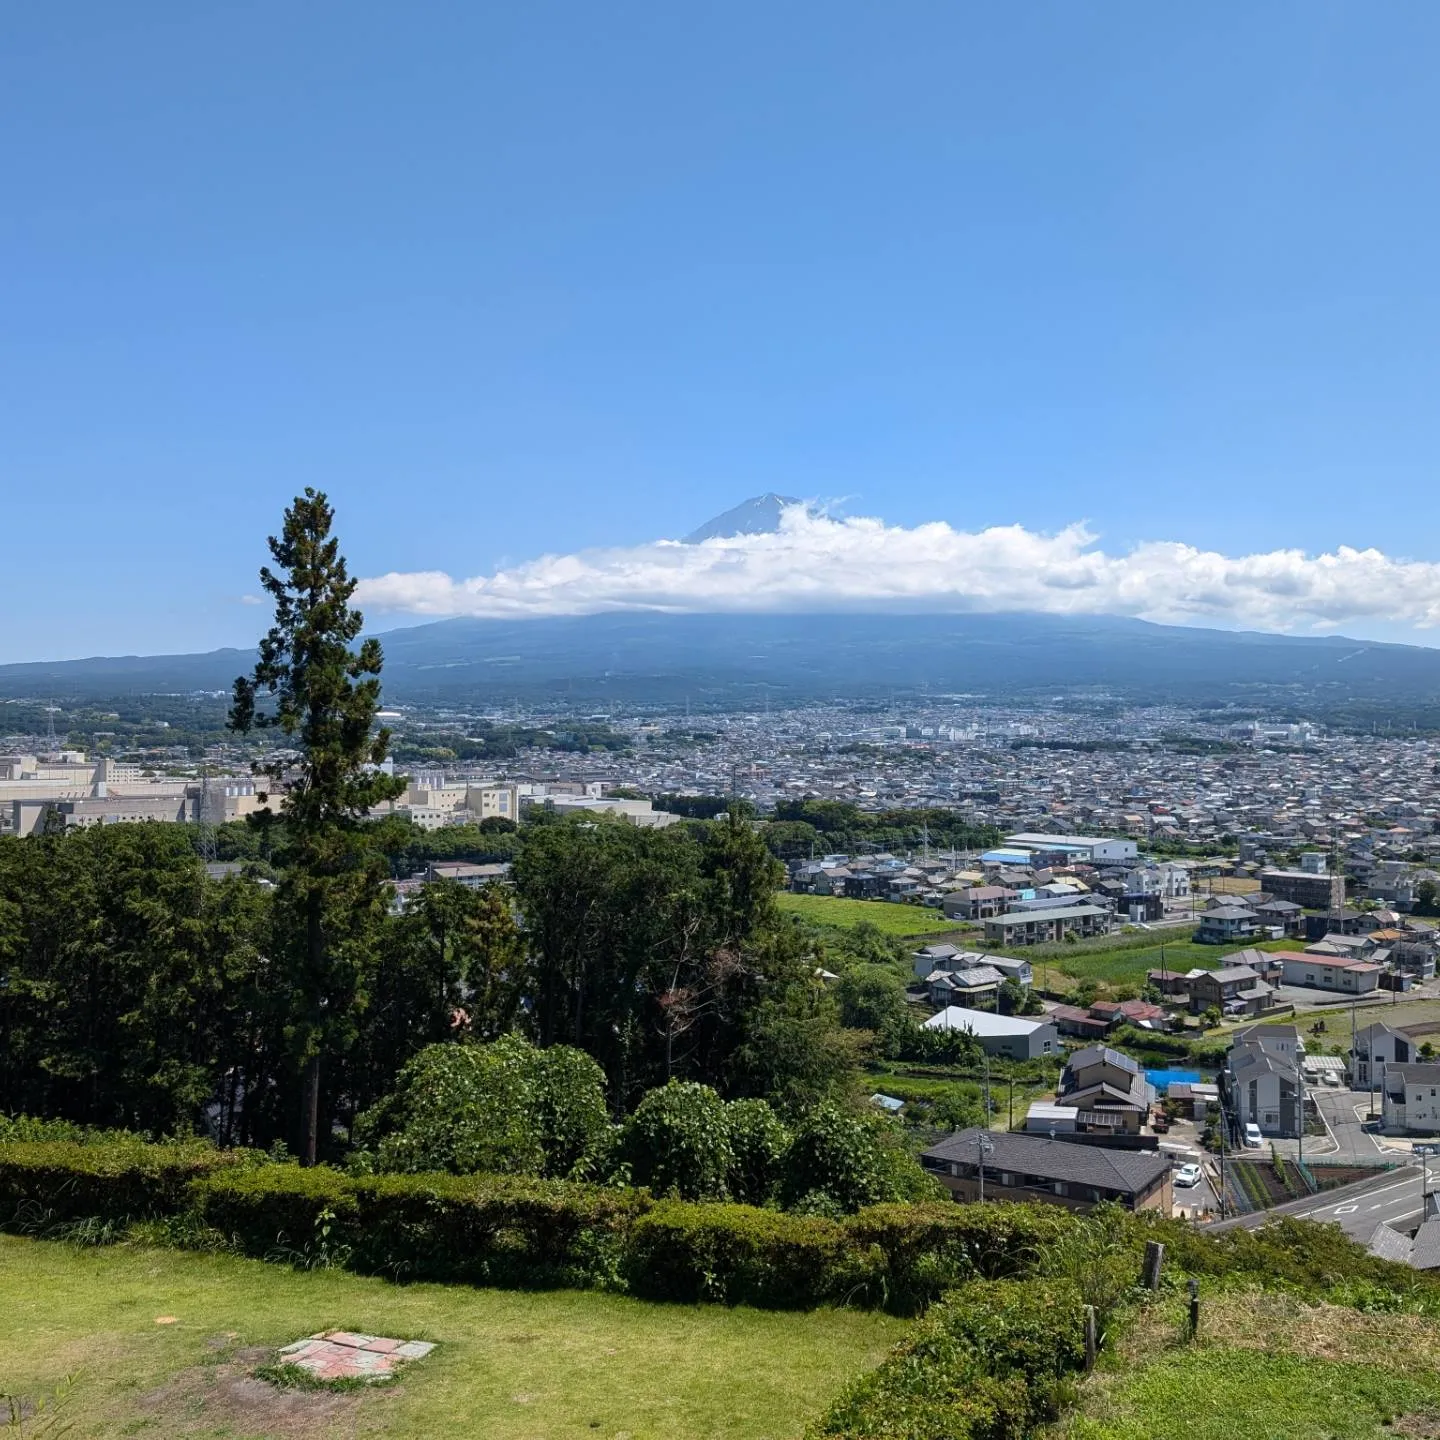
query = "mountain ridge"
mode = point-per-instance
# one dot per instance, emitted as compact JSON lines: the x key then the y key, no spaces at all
{"x":634,"y":653}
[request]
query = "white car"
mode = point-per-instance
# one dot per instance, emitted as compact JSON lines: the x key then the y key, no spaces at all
{"x":1253,"y":1140}
{"x":1189,"y":1174}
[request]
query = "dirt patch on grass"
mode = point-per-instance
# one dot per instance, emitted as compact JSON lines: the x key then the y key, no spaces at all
{"x":227,"y":1397}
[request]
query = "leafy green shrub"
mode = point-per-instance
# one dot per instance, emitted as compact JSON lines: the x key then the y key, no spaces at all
{"x":29,"y":1127}
{"x":927,"y":1248}
{"x":678,"y":1142}
{"x":569,"y":1108}
{"x":504,"y":1107}
{"x":50,"y":1181}
{"x":739,"y":1255}
{"x":985,"y":1363}
{"x":758,"y":1142}
{"x":839,"y":1162}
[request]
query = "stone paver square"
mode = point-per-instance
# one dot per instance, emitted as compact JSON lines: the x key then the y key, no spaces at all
{"x":348,"y":1337}
{"x":346,"y":1355}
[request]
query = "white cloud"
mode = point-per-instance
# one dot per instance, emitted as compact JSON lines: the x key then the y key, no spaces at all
{"x":251,"y":600}
{"x":816,"y":562}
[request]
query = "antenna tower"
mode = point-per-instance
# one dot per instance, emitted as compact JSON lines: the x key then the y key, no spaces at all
{"x":51,"y":742}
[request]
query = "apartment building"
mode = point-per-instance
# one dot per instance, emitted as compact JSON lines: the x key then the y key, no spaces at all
{"x":1042,"y":927}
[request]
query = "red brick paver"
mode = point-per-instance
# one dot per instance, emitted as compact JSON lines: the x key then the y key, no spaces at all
{"x":346,"y":1354}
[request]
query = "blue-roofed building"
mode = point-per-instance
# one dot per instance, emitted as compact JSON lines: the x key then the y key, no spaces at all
{"x":1005,"y":857}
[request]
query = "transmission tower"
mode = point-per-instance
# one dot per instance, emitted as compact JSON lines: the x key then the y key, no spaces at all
{"x":205,"y":831}
{"x":51,"y":742}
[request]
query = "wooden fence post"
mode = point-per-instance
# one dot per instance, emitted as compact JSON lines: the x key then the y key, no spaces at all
{"x":1194,"y":1308}
{"x":1154,"y":1259}
{"x":1091,"y":1338}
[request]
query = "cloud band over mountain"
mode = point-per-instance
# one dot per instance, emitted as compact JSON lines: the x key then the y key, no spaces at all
{"x":814,"y":562}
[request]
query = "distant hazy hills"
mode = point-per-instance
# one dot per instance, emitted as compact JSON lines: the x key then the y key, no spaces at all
{"x":639,"y":656}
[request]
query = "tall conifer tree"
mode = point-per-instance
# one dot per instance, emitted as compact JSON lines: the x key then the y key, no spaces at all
{"x":322,"y":694}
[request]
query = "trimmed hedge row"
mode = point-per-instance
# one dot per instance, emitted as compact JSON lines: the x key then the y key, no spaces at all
{"x":61,"y":1180}
{"x":986,"y":1363}
{"x":489,"y":1229}
{"x":510,"y":1230}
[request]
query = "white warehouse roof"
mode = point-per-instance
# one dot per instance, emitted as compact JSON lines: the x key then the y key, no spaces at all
{"x":981,"y":1022}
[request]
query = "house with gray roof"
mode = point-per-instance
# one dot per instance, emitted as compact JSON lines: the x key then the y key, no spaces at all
{"x":1232,"y":990}
{"x":1055,"y":1172}
{"x":1410,"y":1099}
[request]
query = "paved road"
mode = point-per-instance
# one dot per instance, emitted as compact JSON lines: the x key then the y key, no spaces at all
{"x":1397,"y":1201}
{"x":1393,"y":1196}
{"x":1197,"y":1198}
{"x":1345,"y":1138}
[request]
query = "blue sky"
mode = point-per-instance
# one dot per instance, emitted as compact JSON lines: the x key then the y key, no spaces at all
{"x":510,"y":280}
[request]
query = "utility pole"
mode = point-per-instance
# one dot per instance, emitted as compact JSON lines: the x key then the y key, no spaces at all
{"x":1300,"y":1105}
{"x":983,"y":1146}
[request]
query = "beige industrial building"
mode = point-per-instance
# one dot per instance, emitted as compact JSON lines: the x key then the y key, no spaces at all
{"x":83,"y":792}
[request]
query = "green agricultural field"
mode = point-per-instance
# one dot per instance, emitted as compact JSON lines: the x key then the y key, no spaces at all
{"x":509,"y":1365}
{"x":1268,"y":1366}
{"x":901,"y":921}
{"x":931,"y":1083}
{"x":1127,"y":960}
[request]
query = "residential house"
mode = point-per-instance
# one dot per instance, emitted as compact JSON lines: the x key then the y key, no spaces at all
{"x":1265,"y":964}
{"x":1172,"y":984}
{"x":1232,"y":990}
{"x":1018,"y":1167}
{"x":1132,"y":1012}
{"x":1410,"y":1100}
{"x":946,"y":957}
{"x":977,"y":987}
{"x":1010,"y":1037}
{"x":1378,"y":1046}
{"x":1108,"y":1089}
{"x":934,"y":957}
{"x":1020,"y":971}
{"x":1277,"y":914}
{"x":979,"y":902}
{"x":1262,"y":1082}
{"x":1080,"y":1024}
{"x":1352,"y":947}
{"x":1225,"y":924}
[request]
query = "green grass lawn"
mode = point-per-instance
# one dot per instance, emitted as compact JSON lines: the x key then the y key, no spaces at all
{"x":902,"y":921}
{"x":1267,"y":1368}
{"x":509,"y":1365}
